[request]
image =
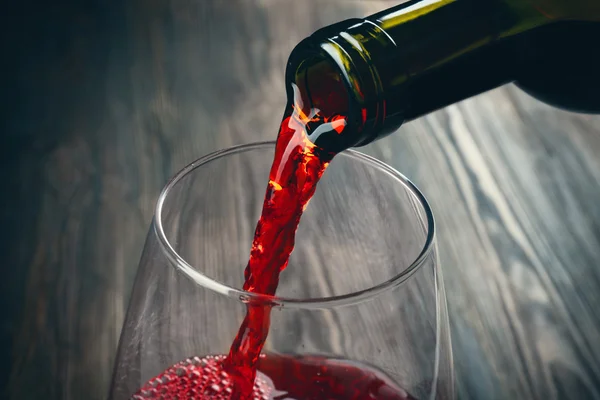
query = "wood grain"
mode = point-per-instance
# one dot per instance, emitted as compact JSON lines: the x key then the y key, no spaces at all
{"x":104,"y":102}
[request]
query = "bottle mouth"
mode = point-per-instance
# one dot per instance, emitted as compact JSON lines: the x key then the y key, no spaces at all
{"x":193,"y":272}
{"x":331,"y":69}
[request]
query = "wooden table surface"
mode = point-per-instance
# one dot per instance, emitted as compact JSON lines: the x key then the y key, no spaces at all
{"x":103,"y":101}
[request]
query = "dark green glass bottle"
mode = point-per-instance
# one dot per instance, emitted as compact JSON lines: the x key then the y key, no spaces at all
{"x":407,"y":61}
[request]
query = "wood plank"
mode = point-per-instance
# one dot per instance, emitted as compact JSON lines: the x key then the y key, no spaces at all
{"x":119,"y":97}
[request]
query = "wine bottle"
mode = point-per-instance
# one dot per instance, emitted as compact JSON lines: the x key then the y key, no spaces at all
{"x":422,"y":55}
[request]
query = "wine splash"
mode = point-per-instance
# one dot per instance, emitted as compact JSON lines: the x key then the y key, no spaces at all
{"x":279,"y":377}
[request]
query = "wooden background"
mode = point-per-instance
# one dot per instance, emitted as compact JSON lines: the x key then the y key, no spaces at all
{"x":103,"y":101}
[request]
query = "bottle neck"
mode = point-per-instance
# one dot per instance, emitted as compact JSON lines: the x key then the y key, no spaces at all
{"x":415,"y":58}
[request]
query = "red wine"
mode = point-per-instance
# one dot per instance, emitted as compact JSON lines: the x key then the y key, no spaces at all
{"x":297,"y":167}
{"x":298,"y":164}
{"x":279,"y":377}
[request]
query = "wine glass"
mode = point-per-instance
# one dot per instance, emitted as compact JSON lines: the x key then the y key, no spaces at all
{"x":363,"y":290}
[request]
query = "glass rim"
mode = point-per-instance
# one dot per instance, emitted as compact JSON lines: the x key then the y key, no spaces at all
{"x":309,"y":303}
